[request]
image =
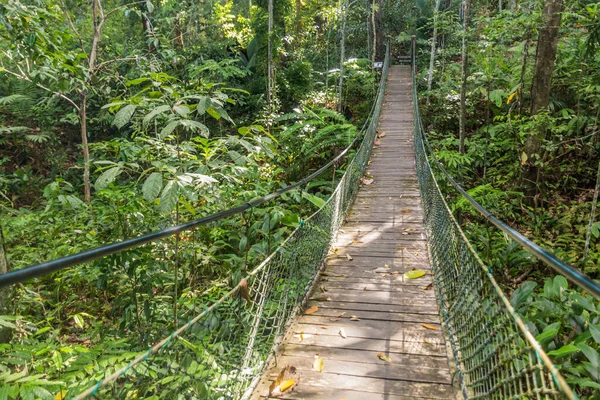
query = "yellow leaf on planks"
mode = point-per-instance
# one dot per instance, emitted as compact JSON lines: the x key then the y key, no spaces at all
{"x":414,"y":274}
{"x":383,"y":357}
{"x":311,"y":310}
{"x":286,"y":380}
{"x":318,"y":363}
{"x":432,"y":327}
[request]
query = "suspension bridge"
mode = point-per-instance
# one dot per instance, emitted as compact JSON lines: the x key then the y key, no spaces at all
{"x":377,"y":295}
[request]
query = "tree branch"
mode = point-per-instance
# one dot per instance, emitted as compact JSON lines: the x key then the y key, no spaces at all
{"x":66,"y":12}
{"x":114,"y":60}
{"x":123,"y":6}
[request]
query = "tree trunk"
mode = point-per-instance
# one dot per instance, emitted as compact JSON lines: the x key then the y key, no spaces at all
{"x":344,"y":11}
{"x":4,"y":300}
{"x":463,"y":79}
{"x":380,"y":48}
{"x":375,"y":33}
{"x":540,"y":91}
{"x":270,"y":58}
{"x":85,"y":148}
{"x":433,"y":43}
{"x":298,"y":16}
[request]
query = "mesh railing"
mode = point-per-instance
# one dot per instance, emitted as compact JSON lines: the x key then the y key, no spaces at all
{"x":222,"y":352}
{"x":496,"y":355}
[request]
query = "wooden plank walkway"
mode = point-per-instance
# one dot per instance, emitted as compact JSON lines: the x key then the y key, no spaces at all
{"x":384,"y":229}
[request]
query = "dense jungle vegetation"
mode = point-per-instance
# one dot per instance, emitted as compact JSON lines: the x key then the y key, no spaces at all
{"x":119,"y":118}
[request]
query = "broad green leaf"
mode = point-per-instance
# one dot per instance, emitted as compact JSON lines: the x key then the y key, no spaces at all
{"x":520,"y":296}
{"x":107,"y":178}
{"x":591,"y":354}
{"x":152,"y":186}
{"x":317,"y":201}
{"x":152,"y":114}
{"x":414,"y":274}
{"x":182,"y":110}
{"x":595,"y":331}
{"x":167,"y":130}
{"x":195,"y":126}
{"x":563,"y":351}
{"x":135,"y":82}
{"x":169,"y":196}
{"x":124,"y":116}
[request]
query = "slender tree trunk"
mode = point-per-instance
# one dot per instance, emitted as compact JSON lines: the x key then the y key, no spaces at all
{"x":463,"y":79}
{"x":85,"y":148}
{"x":298,"y":16}
{"x":588,"y":235}
{"x":379,"y":49}
{"x":500,"y":5}
{"x":270,"y":59}
{"x":433,"y":43}
{"x":344,"y":6}
{"x":375,"y":34}
{"x":540,"y":91}
{"x":4,"y":300}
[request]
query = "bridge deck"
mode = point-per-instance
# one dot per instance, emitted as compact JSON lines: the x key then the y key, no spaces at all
{"x":385,"y":228}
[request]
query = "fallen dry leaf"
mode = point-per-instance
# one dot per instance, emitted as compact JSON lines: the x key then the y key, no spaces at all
{"x":318,"y":363}
{"x":383,"y":357}
{"x":387,"y":266}
{"x":383,"y":275}
{"x":432,"y":327}
{"x":342,"y":314}
{"x":382,"y":135}
{"x":406,"y":211}
{"x":311,"y":310}
{"x":349,"y":257}
{"x":428,"y":287}
{"x":334,"y":319}
{"x":366,"y":181}
{"x":286,"y":381}
{"x":342,"y":333}
{"x":354,"y":318}
{"x":377,"y":142}
{"x":394,"y":273}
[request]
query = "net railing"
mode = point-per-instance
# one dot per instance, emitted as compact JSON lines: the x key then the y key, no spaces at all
{"x":496,"y":356}
{"x":222,"y":352}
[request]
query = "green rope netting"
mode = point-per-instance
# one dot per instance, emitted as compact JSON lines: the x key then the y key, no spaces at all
{"x":496,"y":356}
{"x":221,"y":354}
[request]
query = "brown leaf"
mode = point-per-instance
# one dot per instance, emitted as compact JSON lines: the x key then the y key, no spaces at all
{"x":349,"y":257}
{"x":311,"y":310}
{"x":244,"y":291}
{"x":377,"y":142}
{"x":387,"y":266}
{"x":432,"y":327}
{"x":428,"y":287}
{"x":382,"y":135}
{"x":383,"y":357}
{"x":394,"y":273}
{"x":366,"y":181}
{"x":342,"y":314}
{"x":354,"y":318}
{"x":342,"y":333}
{"x":406,"y":211}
